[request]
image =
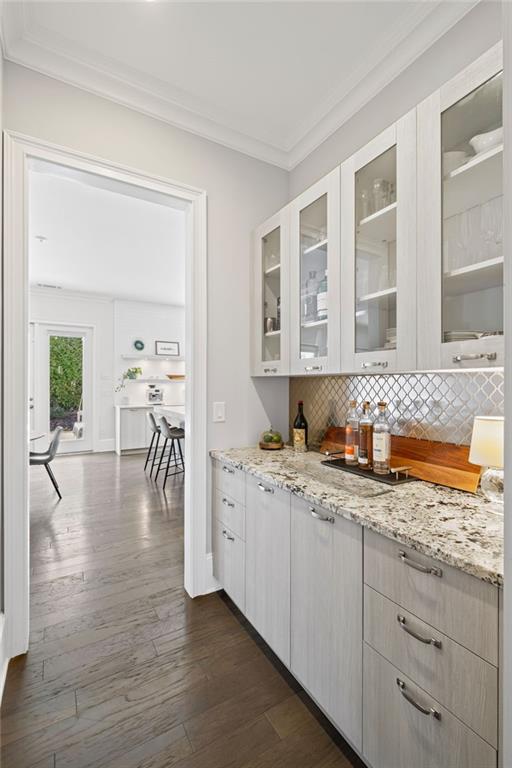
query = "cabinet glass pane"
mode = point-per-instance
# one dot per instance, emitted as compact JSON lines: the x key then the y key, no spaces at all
{"x":271,"y":266}
{"x":313,"y":279}
{"x":472,"y":147}
{"x":375,"y":253}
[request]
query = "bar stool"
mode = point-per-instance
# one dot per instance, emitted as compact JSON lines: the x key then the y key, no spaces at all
{"x":155,"y":429}
{"x":174,"y":434}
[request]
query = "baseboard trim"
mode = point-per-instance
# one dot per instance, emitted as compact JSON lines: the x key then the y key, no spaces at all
{"x":105,"y":446}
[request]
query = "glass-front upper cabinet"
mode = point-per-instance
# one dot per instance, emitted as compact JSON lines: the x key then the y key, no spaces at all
{"x":315,"y":278}
{"x":270,"y":337}
{"x":460,"y":197}
{"x":378,"y":327}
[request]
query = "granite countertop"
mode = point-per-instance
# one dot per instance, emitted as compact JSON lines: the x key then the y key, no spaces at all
{"x":455,"y":527}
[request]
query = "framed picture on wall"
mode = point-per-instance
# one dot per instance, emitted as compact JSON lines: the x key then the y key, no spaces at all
{"x":167,"y":348}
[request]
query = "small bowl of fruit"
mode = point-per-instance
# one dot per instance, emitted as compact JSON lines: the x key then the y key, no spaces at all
{"x":271,"y":440}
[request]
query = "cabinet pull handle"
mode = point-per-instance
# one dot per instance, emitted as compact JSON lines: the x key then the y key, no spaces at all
{"x":318,"y":516}
{"x":265,"y":489}
{"x":430,"y":711}
{"x":228,"y":503}
{"x":310,"y":368}
{"x":418,"y":566}
{"x":227,"y":536}
{"x":229,"y":470}
{"x":427,"y":640}
{"x":475,"y":356}
{"x":270,"y":370}
{"x":375,"y":364}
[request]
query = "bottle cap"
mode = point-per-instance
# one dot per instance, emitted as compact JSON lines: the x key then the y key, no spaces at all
{"x":382,"y":404}
{"x":301,"y":402}
{"x":353,"y":403}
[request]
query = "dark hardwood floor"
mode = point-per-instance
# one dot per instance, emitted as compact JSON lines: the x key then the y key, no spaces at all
{"x":124,"y":670}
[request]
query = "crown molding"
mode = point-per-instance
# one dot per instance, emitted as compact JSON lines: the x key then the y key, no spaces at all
{"x":39,"y":50}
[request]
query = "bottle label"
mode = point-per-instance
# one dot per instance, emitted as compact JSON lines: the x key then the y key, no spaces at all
{"x":321,"y":304}
{"x":381,"y":446}
{"x":299,"y":440}
{"x":351,"y":448}
{"x":363,"y":459}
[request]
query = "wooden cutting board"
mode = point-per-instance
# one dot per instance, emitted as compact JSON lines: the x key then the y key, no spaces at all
{"x":430,"y":460}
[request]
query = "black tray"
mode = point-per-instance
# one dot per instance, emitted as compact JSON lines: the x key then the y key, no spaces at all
{"x":395,"y":478}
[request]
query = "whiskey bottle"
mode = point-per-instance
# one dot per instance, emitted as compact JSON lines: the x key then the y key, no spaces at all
{"x":381,"y":442}
{"x":352,"y":434}
{"x":365,"y":438}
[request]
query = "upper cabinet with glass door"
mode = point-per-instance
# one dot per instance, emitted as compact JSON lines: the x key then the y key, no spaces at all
{"x":270,"y":338}
{"x":315,"y":278}
{"x":460,"y":196}
{"x":378,"y":200}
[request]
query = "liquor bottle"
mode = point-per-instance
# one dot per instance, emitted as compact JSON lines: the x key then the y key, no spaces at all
{"x":381,"y":442}
{"x":300,"y":430}
{"x":278,"y":314}
{"x":352,"y":434}
{"x":321,"y":299}
{"x":365,"y":438}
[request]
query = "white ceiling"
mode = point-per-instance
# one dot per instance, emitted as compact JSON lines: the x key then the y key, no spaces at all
{"x":272,"y":79}
{"x":101,"y":237}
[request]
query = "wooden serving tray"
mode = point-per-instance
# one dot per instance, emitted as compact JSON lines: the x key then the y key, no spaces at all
{"x":430,"y":460}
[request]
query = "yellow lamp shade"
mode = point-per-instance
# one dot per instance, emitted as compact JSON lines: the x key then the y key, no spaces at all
{"x":487,"y":442}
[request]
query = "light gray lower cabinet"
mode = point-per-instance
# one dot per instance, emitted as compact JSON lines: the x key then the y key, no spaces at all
{"x":229,"y":562}
{"x":326,"y":613}
{"x":267,"y":564}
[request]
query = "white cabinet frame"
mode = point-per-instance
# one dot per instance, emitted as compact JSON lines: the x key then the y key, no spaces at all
{"x":433,"y":353}
{"x":329,"y":185}
{"x":259,"y":366}
{"x":403,"y":358}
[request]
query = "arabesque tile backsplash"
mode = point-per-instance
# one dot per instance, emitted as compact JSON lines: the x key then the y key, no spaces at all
{"x":430,"y":406}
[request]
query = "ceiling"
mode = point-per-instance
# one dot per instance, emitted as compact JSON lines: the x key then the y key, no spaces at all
{"x":271,"y":79}
{"x":101,"y":237}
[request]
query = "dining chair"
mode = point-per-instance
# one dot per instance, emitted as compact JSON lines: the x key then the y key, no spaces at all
{"x":174,"y":435}
{"x":44,"y":458}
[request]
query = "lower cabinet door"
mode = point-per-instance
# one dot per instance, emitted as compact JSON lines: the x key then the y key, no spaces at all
{"x":133,"y":428}
{"x":404,"y":727}
{"x":229,"y":563}
{"x":327,"y":613}
{"x":267,"y":564}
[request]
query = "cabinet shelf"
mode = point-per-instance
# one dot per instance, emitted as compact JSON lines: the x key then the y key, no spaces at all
{"x":380,"y":225}
{"x":474,"y":183}
{"x":322,"y":245}
{"x":162,"y":358}
{"x":377,"y":295}
{"x":313,"y":323}
{"x":165,"y":380}
{"x":272,"y":270}
{"x":475,"y":277}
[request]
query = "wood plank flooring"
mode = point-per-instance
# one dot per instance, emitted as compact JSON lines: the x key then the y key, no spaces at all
{"x":124,"y":670}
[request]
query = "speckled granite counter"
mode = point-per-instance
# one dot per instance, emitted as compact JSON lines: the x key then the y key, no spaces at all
{"x":452,"y":526}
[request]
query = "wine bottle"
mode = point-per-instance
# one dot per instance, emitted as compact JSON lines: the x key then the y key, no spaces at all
{"x":352,"y":434}
{"x":381,"y":442}
{"x":300,"y":430}
{"x":365,"y":438}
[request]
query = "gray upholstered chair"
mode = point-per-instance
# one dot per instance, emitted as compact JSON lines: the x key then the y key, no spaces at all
{"x":45,"y":457}
{"x":155,"y":434}
{"x":174,"y":435}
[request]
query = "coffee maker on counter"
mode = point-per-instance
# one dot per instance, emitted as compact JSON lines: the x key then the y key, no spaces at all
{"x":154,"y":394}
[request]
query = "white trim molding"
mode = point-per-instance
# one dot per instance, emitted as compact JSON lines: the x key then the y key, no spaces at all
{"x":18,"y":152}
{"x":35,"y":47}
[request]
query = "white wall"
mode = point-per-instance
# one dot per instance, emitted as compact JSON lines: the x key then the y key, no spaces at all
{"x":473,"y":35}
{"x":242,"y":192}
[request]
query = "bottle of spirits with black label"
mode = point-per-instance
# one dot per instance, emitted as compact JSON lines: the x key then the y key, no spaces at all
{"x":300,"y":430}
{"x":365,"y":438}
{"x":381,"y":442}
{"x":352,"y":435}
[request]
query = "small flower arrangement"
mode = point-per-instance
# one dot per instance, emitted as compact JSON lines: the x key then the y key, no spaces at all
{"x":131,"y":374}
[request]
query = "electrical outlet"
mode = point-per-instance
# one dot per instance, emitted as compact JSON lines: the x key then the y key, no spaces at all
{"x":219,"y":412}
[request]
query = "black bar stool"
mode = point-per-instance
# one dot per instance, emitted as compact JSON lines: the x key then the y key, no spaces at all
{"x":155,"y":429}
{"x":174,"y":435}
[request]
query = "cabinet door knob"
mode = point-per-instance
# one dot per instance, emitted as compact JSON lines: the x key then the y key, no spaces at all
{"x":375,"y":364}
{"x":430,"y":711}
{"x":475,"y":356}
{"x":265,"y":489}
{"x":418,"y":566}
{"x":427,"y":640}
{"x":318,"y":516}
{"x":227,"y":536}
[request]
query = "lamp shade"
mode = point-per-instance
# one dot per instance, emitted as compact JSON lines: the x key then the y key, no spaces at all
{"x":487,"y":442}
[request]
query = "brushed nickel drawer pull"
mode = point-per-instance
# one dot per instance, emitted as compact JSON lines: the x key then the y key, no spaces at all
{"x":228,"y":503}
{"x":418,"y":566}
{"x":310,"y":368}
{"x":475,"y":356}
{"x":375,"y":364}
{"x":318,"y":516}
{"x":229,"y":470}
{"x":424,"y":710}
{"x":227,"y":536}
{"x":427,"y":640}
{"x":270,"y":370}
{"x":265,"y":489}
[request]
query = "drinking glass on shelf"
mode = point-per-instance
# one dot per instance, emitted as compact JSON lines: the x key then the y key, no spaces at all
{"x":365,"y":201}
{"x":380,"y":194}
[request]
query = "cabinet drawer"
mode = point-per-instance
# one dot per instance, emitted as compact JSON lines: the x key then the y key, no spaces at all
{"x":229,"y":480}
{"x":229,"y":562}
{"x":461,"y":606}
{"x":461,"y":681}
{"x":396,"y":734}
{"x":230,"y":512}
